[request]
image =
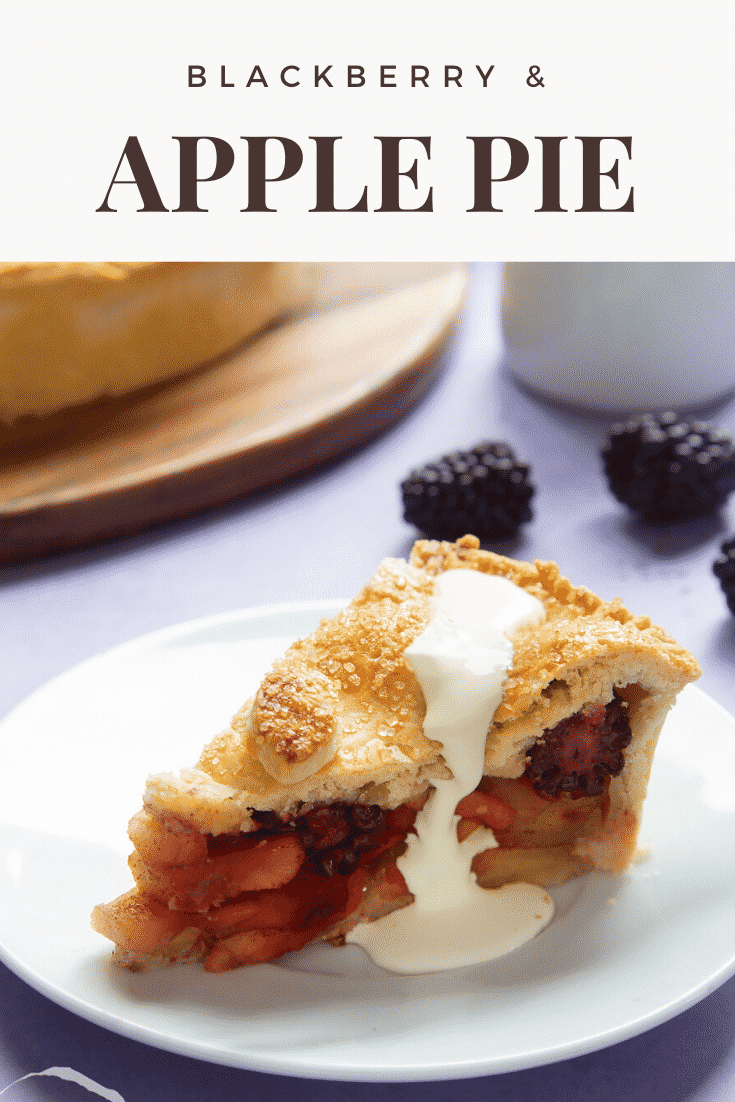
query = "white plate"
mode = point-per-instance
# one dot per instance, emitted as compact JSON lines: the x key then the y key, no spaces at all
{"x":623,"y":953}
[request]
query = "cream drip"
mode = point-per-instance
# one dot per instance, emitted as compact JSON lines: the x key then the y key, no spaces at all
{"x":460,"y":662}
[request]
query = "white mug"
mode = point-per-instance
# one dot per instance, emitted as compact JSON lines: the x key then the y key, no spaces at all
{"x":622,"y":337}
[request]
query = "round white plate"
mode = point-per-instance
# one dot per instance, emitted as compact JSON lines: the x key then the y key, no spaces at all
{"x":623,"y":953}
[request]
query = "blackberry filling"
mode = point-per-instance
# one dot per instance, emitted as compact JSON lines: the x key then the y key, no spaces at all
{"x":336,"y":838}
{"x":578,"y":755}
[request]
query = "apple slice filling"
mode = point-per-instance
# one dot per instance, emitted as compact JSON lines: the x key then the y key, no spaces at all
{"x":247,"y":898}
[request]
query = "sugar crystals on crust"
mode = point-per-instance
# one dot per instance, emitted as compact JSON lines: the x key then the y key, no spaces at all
{"x":295,"y":727}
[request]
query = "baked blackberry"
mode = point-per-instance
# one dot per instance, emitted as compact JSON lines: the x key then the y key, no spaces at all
{"x":484,"y":491}
{"x":724,"y":568}
{"x":334,"y":837}
{"x":667,"y":469}
{"x":578,"y":755}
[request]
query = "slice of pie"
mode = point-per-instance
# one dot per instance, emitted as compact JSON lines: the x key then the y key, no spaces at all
{"x":293,"y":825}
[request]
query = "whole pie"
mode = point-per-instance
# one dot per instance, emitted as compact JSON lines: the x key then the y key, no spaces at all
{"x":292,"y":826}
{"x":72,"y":333}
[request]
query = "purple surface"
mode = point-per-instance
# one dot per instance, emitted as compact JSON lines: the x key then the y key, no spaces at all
{"x":320,"y":537}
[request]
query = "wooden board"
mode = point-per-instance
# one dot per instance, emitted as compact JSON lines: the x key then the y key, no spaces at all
{"x":302,"y":392}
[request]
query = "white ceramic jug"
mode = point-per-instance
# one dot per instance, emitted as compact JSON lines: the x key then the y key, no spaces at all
{"x":622,"y":337}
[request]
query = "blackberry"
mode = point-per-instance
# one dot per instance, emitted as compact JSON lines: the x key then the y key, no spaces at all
{"x":724,"y":568}
{"x":667,"y":469}
{"x":484,"y":491}
{"x":580,"y":753}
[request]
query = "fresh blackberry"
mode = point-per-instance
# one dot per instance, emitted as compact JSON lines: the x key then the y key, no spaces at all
{"x":484,"y":491}
{"x":724,"y":568}
{"x":667,"y":469}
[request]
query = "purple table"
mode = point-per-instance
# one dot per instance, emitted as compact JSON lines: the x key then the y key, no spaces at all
{"x":346,"y":516}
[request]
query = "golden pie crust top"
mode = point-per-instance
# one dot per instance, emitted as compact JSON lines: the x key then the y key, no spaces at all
{"x":74,"y":333}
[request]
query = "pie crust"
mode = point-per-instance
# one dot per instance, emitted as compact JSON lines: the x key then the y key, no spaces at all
{"x":73,"y":333}
{"x":338,"y":723}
